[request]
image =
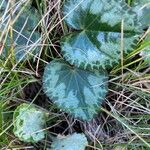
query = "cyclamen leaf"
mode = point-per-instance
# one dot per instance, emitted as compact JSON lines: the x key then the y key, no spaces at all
{"x":95,"y":49}
{"x":75,"y":91}
{"x":23,"y":38}
{"x":97,"y":44}
{"x":142,"y":8}
{"x":28,"y":123}
{"x":70,"y":142}
{"x":99,"y":15}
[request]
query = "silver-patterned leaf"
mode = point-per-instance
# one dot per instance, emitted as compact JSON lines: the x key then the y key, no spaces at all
{"x":29,"y":123}
{"x":98,"y":40}
{"x":70,"y":142}
{"x":95,"y":49}
{"x":76,"y":91}
{"x":23,"y":36}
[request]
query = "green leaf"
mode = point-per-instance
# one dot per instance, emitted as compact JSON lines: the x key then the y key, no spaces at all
{"x":78,"y":92}
{"x":23,"y":35}
{"x":146,"y":51}
{"x":98,"y":40}
{"x":70,"y":142}
{"x":142,"y":8}
{"x":29,"y":123}
{"x":95,"y":49}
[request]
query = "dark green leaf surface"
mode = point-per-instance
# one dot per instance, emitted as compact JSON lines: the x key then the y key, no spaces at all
{"x":97,"y":43}
{"x":23,"y":35}
{"x":95,"y":49}
{"x":75,"y":91}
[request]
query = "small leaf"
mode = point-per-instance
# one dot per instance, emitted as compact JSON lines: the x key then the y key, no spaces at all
{"x":28,"y":123}
{"x":98,"y":40}
{"x":70,"y":142}
{"x":75,"y":91}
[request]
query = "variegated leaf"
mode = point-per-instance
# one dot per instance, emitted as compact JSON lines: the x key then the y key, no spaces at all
{"x":24,"y":37}
{"x":29,"y":123}
{"x":70,"y":142}
{"x":98,"y":40}
{"x":74,"y":90}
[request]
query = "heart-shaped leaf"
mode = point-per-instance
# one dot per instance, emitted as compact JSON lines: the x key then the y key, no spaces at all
{"x":28,"y":123}
{"x":142,"y":8}
{"x":98,"y":41}
{"x":70,"y":142}
{"x":23,"y":37}
{"x":74,"y":90}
